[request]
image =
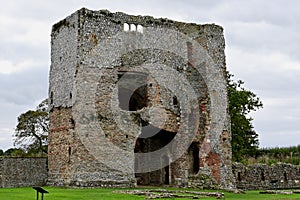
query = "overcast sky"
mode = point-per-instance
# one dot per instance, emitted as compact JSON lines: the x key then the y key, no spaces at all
{"x":262,"y":49}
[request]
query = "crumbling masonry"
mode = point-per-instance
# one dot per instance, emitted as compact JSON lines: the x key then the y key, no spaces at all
{"x":137,"y":101}
{"x":261,"y":176}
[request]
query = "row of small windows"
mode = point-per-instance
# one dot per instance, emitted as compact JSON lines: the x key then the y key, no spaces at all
{"x":132,"y":27}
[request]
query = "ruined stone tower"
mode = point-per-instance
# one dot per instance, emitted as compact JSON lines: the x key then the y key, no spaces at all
{"x":137,"y":100}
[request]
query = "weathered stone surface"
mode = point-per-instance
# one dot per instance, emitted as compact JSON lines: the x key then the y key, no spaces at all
{"x":116,"y":79}
{"x":262,"y":176}
{"x":162,"y":193}
{"x":21,"y":172}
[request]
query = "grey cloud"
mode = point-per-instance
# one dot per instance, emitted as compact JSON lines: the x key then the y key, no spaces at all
{"x":24,"y":87}
{"x":260,"y":36}
{"x":276,"y":12}
{"x":287,"y":138}
{"x":254,"y":30}
{"x":20,"y":52}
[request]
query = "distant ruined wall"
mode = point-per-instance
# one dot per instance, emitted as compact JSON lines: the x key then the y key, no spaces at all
{"x":262,"y":176}
{"x":116,"y":77}
{"x":22,"y":172}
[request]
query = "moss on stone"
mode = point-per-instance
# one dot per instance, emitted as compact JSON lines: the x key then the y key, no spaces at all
{"x":58,"y":25}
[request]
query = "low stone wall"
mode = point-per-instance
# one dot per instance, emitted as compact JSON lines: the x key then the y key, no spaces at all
{"x":202,"y":182}
{"x":262,"y":176}
{"x":20,"y":172}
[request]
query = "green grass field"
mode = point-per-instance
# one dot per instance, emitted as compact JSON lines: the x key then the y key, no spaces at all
{"x":28,"y":193}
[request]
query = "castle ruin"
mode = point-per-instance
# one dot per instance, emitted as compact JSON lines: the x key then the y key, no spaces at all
{"x":136,"y":100}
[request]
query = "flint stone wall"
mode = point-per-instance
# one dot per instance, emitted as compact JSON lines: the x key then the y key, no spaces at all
{"x":92,"y":142}
{"x":262,"y":176}
{"x":22,"y":172}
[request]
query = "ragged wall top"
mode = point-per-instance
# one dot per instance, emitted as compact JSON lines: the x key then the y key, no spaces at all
{"x":76,"y":36}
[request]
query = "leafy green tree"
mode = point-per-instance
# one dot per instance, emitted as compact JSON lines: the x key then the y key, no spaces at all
{"x":14,"y":152}
{"x":241,"y":103}
{"x":31,"y":133}
{"x":1,"y":152}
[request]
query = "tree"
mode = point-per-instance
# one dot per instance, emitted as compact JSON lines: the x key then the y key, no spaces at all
{"x":241,"y":103}
{"x":14,"y":152}
{"x":31,"y":133}
{"x":1,"y":152}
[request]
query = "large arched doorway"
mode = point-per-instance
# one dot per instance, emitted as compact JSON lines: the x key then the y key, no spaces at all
{"x":155,"y":142}
{"x":133,"y":95}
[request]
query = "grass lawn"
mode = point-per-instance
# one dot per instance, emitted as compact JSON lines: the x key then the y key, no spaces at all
{"x":28,"y":193}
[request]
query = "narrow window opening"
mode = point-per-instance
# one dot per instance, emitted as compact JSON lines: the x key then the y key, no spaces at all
{"x":126,"y":136}
{"x":239,"y":177}
{"x":72,"y":123}
{"x":140,"y":28}
{"x":126,"y":27}
{"x":51,"y":97}
{"x":195,"y":158}
{"x":69,"y":154}
{"x":71,"y":95}
{"x":175,"y":101}
{"x":132,"y":27}
{"x":285,"y":177}
{"x":262,"y":176}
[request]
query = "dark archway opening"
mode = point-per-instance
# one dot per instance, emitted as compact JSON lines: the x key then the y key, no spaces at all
{"x":194,"y":157}
{"x":285,"y":177}
{"x":166,"y":170}
{"x":132,"y":100}
{"x":132,"y":90}
{"x":150,"y":140}
{"x":239,"y":177}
